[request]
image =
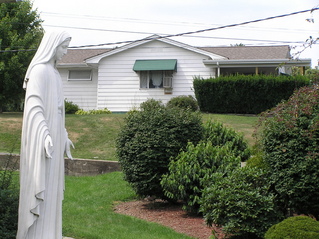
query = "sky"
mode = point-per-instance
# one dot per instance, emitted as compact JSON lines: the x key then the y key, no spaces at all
{"x":108,"y":22}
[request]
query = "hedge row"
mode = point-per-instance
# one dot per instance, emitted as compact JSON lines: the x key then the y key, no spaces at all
{"x":245,"y":94}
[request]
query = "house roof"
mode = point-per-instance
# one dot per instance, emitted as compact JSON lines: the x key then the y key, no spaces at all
{"x":79,"y":56}
{"x":75,"y":56}
{"x":251,"y":52}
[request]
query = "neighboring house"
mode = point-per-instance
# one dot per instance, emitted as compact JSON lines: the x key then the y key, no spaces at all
{"x":120,"y":79}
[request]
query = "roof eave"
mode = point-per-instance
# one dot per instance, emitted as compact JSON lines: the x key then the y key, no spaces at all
{"x":72,"y":65}
{"x":258,"y":62}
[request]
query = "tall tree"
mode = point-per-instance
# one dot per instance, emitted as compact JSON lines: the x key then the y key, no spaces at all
{"x":20,"y":34}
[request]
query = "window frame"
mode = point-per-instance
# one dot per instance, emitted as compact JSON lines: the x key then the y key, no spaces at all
{"x":146,"y":84}
{"x":89,"y":71}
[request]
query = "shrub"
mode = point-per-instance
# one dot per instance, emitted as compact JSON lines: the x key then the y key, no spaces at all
{"x":93,"y":112}
{"x":184,"y":102}
{"x":240,"y":203}
{"x":245,"y":94}
{"x":148,"y":141}
{"x":299,"y":227}
{"x":218,"y":134}
{"x":9,"y":203}
{"x":194,"y":169}
{"x":70,"y":107}
{"x":290,"y":140}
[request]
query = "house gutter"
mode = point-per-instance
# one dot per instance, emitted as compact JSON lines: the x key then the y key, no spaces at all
{"x":257,"y":63}
{"x":74,"y":66}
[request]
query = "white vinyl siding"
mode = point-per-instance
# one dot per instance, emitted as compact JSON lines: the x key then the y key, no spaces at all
{"x":81,"y":92}
{"x":119,"y":87}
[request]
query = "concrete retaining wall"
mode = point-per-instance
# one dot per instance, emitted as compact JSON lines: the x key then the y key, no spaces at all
{"x":76,"y":167}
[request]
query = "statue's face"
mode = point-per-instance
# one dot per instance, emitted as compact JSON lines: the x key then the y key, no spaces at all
{"x":61,"y":50}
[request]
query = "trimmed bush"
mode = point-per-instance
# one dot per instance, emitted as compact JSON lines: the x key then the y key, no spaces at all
{"x":245,"y":94}
{"x":299,"y":227}
{"x":290,"y":140}
{"x":221,"y":150}
{"x":70,"y":107}
{"x":184,"y":102}
{"x":194,"y":169}
{"x":218,"y":134}
{"x":148,"y":141}
{"x":240,"y":203}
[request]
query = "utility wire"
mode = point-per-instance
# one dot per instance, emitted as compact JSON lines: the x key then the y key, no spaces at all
{"x":204,"y":30}
{"x":186,"y":33}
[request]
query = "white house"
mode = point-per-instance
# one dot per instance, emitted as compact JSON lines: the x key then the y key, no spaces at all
{"x":121,"y":79}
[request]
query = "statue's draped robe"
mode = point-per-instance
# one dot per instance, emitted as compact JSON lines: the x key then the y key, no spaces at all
{"x":41,"y":178}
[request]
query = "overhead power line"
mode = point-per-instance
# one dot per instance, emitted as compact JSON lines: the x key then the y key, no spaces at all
{"x":188,"y":33}
{"x":206,"y":30}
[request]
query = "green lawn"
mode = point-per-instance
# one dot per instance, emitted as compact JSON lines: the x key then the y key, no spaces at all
{"x":94,"y":135}
{"x":88,"y":204}
{"x":88,"y":211}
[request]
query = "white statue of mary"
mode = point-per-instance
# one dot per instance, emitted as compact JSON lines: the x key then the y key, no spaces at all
{"x":44,"y":141}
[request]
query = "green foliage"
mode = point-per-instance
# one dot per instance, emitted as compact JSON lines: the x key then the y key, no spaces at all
{"x":241,"y":203}
{"x":9,"y":202}
{"x":313,"y":75}
{"x":70,"y":107}
{"x":93,"y":112}
{"x":21,"y":30}
{"x":221,"y":150}
{"x":184,"y":102}
{"x":218,"y":134}
{"x":299,"y":227}
{"x":290,"y":140}
{"x":194,"y":169}
{"x":148,"y":141}
{"x":257,"y":160}
{"x":245,"y":94}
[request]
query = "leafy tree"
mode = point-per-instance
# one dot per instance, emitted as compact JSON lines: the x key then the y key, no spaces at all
{"x":21,"y":32}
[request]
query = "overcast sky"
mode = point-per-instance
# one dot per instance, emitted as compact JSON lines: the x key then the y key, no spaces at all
{"x":102,"y":21}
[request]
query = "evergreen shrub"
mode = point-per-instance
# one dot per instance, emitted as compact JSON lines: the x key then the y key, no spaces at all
{"x":241,"y":203}
{"x":70,"y":107}
{"x":150,"y":138}
{"x":245,"y":94}
{"x":221,"y":150}
{"x":194,"y":169}
{"x":299,"y":227}
{"x":184,"y":102}
{"x":290,"y":140}
{"x":218,"y":134}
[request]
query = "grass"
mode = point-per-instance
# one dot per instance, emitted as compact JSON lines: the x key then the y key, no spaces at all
{"x":88,"y":211}
{"x":94,"y":135}
{"x":88,"y":204}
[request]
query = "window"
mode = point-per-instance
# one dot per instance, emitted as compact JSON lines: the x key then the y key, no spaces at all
{"x":156,"y":79}
{"x":80,"y":75}
{"x":156,"y":73}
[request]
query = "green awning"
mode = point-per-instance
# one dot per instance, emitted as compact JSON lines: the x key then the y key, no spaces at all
{"x":155,"y":65}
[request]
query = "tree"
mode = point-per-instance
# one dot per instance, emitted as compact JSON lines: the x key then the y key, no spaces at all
{"x":21,"y":32}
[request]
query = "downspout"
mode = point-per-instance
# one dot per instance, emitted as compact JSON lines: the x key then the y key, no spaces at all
{"x":218,"y":69}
